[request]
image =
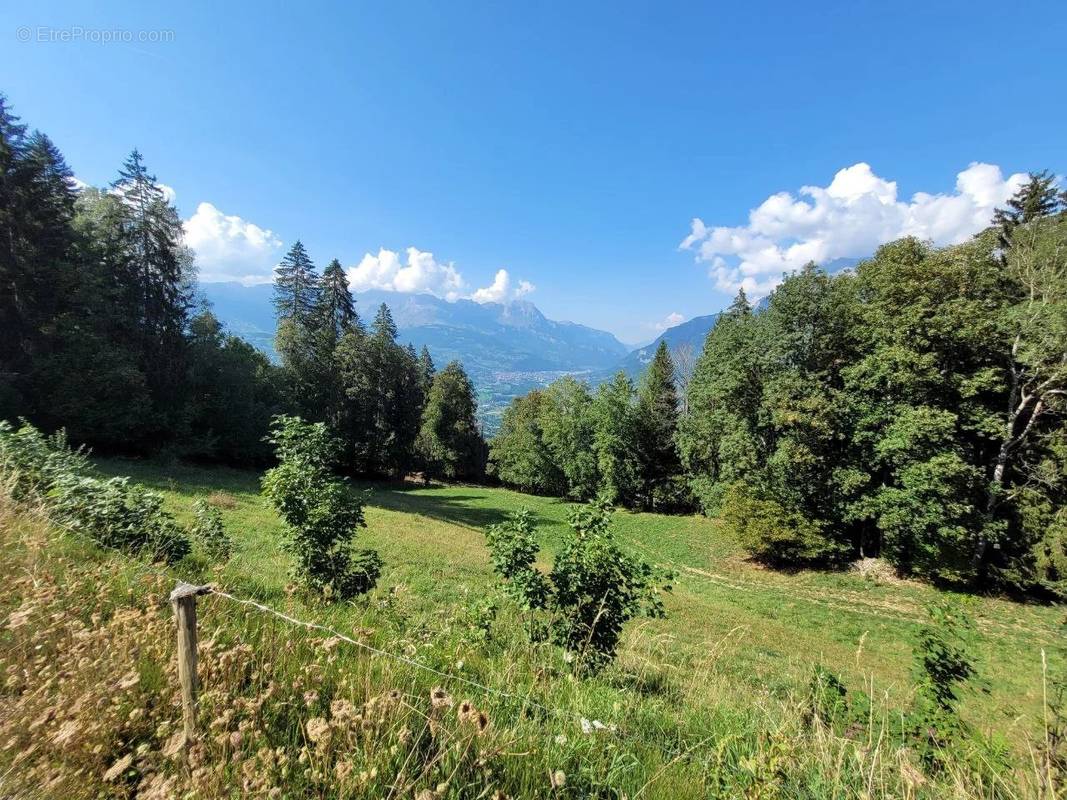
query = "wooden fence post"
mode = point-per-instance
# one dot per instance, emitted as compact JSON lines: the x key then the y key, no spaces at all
{"x":183,"y":599}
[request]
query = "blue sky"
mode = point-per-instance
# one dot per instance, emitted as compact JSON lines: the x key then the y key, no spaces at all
{"x":570,"y":144}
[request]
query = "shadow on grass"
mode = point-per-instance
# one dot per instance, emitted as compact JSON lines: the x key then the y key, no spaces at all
{"x":457,"y":509}
{"x":467,"y":506}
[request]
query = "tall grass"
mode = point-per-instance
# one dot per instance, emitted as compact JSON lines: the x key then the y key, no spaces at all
{"x":89,"y":705}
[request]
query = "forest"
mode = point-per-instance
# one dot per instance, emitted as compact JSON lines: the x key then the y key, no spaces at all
{"x":911,"y":409}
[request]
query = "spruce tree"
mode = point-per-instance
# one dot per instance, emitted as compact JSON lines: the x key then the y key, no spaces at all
{"x":657,"y":405}
{"x":152,"y":233}
{"x":296,"y":286}
{"x":383,"y":326}
{"x":1036,"y":198}
{"x":426,"y":370}
{"x":336,"y":308}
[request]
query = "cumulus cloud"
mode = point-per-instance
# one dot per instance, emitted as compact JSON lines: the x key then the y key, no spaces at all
{"x":672,"y":319}
{"x":229,"y":248}
{"x":501,"y":290}
{"x":420,"y":272}
{"x":849,"y":218}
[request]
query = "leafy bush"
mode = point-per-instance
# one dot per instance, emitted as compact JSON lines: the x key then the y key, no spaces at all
{"x":771,"y":533}
{"x":32,"y":461}
{"x":597,"y":588}
{"x":319,"y":509}
{"x":943,"y":664}
{"x":513,"y":550}
{"x":115,"y":513}
{"x":207,"y":528}
{"x":594,"y":588}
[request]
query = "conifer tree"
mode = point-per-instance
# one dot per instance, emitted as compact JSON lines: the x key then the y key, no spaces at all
{"x":1038,"y":197}
{"x":336,"y":308}
{"x":657,"y":411}
{"x":426,"y":370}
{"x":383,"y":327}
{"x":152,"y":234}
{"x":718,"y":438}
{"x":296,"y":286}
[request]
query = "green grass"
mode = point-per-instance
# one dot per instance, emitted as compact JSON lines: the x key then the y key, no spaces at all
{"x":759,"y":630}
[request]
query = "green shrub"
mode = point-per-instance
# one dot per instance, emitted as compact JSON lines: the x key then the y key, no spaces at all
{"x":321,"y":512}
{"x":513,"y":550}
{"x":943,"y":665}
{"x":32,"y":461}
{"x":208,"y":530}
{"x":597,"y":588}
{"x":594,"y":588}
{"x":117,"y":514}
{"x":771,"y":533}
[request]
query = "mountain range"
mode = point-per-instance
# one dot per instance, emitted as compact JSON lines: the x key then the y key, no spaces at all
{"x":506,"y":348}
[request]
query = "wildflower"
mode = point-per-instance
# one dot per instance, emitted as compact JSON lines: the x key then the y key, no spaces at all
{"x":470,"y":715}
{"x":343,"y":769}
{"x":588,"y":726}
{"x":558,"y":779}
{"x":310,"y":698}
{"x":318,"y":729}
{"x":439,"y":698}
{"x":341,"y":710}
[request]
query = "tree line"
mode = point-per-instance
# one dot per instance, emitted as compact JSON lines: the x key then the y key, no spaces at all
{"x":913,"y":408}
{"x":105,"y":334}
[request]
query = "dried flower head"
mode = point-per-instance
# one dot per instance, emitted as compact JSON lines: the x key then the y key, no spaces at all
{"x":439,"y":698}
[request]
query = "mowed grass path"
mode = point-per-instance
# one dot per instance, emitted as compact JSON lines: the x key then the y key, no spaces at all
{"x":763,"y":629}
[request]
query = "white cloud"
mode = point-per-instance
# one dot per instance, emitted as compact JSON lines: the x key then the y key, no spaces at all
{"x":229,"y":248}
{"x":850,"y":218}
{"x":672,"y":319}
{"x":420,"y":273}
{"x":501,"y":291}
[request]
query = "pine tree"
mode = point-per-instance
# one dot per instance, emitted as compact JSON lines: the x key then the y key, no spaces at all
{"x":449,"y":442}
{"x":336,"y":308}
{"x":36,"y":208}
{"x":1036,"y":198}
{"x":152,"y":234}
{"x":296,"y":286}
{"x":426,"y":371}
{"x":383,"y":326}
{"x":657,"y":404}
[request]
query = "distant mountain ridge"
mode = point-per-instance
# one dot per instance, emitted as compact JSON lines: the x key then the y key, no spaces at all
{"x":506,"y":348}
{"x":691,"y":333}
{"x":513,"y":336}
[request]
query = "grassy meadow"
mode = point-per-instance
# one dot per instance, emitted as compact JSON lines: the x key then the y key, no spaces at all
{"x":765,"y":629}
{"x":709,"y":702}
